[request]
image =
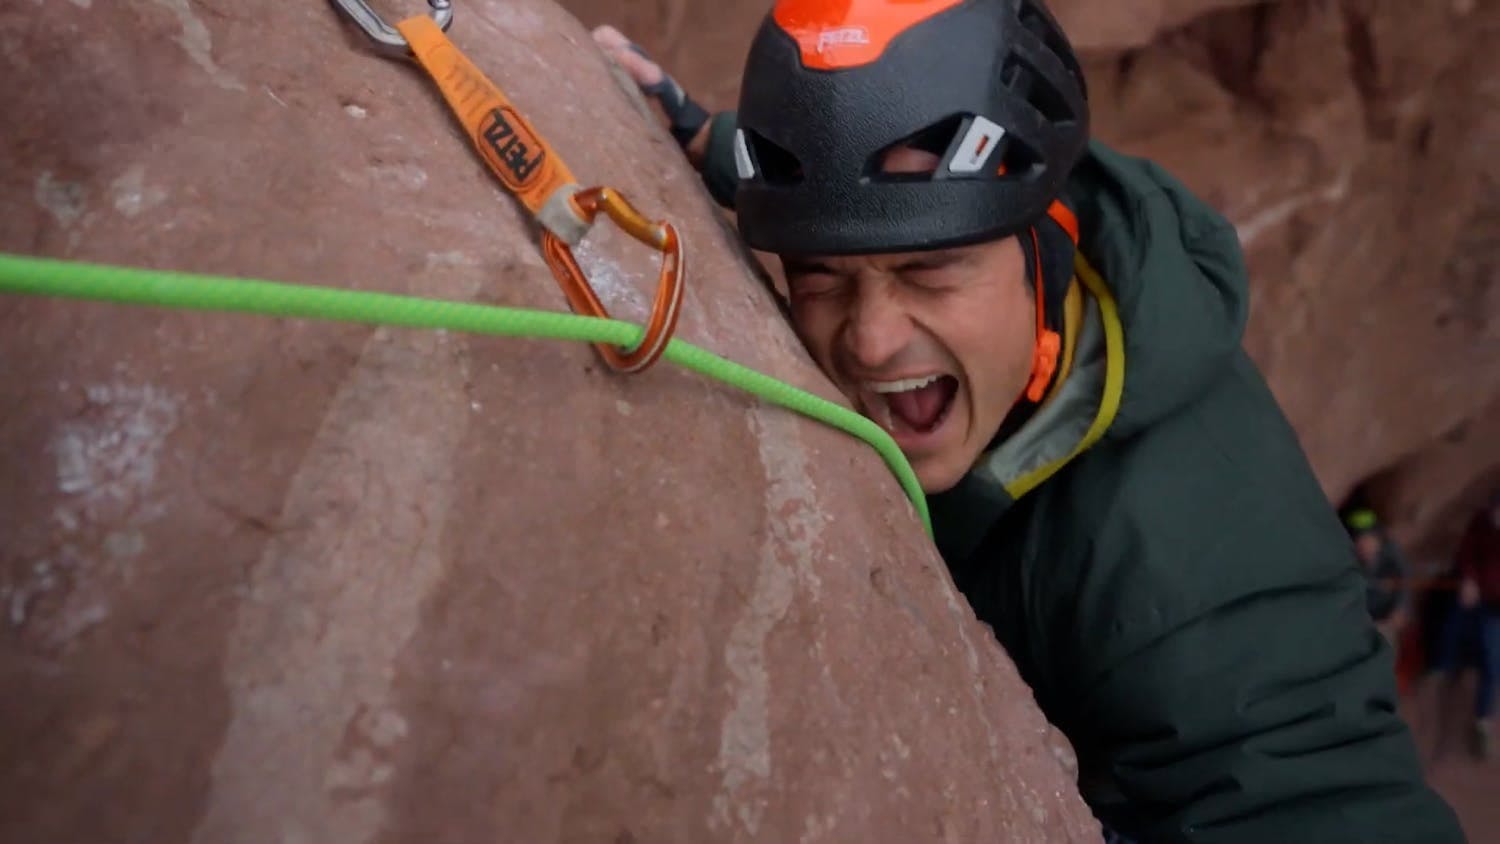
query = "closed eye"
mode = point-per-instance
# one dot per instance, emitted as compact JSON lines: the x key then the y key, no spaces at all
{"x":802,"y":284}
{"x":943,"y":279}
{"x":938,"y":270}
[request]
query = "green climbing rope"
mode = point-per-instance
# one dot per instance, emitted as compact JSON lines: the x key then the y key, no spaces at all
{"x":100,"y":282}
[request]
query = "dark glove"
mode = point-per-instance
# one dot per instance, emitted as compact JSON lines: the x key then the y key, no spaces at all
{"x":685,"y":118}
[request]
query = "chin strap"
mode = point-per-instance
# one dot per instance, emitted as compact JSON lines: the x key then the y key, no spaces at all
{"x":1048,"y":350}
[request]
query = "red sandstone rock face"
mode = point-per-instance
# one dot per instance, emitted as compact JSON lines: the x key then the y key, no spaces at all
{"x":1351,"y":142}
{"x":1418,"y":491}
{"x":274,"y":580}
{"x":1348,"y":144}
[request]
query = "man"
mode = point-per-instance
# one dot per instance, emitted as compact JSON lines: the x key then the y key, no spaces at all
{"x":1051,"y":332}
{"x":1479,"y":611}
{"x":1387,"y":595}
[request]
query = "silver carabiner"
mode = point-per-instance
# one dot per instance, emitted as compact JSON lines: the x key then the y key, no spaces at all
{"x":388,"y":42}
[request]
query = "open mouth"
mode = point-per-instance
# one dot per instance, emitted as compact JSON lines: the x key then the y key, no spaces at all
{"x":912,"y":405}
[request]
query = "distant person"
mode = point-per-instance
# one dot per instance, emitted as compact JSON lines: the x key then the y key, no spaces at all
{"x":1387,"y":592}
{"x":1476,"y":619}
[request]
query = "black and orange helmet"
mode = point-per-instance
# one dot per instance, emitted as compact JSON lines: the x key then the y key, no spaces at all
{"x":991,"y":86}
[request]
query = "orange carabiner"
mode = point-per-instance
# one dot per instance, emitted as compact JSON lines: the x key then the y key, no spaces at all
{"x":660,"y":236}
{"x":537,"y":176}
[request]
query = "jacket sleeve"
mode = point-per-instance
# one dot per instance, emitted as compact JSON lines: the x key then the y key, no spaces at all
{"x":720,"y":175}
{"x":1261,"y":717}
{"x":1255,"y":705}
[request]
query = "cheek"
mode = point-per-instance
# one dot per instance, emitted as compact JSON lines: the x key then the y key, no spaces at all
{"x":816,"y":324}
{"x":991,"y":340}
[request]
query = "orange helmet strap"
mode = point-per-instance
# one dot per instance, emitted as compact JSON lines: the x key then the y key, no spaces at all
{"x":1048,"y":348}
{"x":1064,"y":217}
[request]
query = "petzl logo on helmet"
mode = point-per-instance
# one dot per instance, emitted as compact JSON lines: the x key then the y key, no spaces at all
{"x":828,"y":38}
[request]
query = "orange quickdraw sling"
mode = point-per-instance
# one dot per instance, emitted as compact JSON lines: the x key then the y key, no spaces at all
{"x":531,"y":169}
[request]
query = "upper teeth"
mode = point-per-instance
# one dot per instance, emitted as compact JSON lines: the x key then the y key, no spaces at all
{"x":903,"y":385}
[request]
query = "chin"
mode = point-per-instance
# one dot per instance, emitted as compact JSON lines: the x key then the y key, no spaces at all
{"x":938,"y":475}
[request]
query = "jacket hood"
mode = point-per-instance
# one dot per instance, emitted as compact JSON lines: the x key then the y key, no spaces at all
{"x":1164,"y":309}
{"x":1178,"y":278}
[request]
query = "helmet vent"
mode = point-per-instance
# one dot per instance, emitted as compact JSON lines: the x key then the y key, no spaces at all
{"x":1038,"y":24}
{"x":1022,"y":161}
{"x":934,"y":139}
{"x":775,"y":164}
{"x":1020,"y":76}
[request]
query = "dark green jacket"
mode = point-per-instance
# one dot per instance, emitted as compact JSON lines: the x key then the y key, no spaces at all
{"x":1154,"y":552}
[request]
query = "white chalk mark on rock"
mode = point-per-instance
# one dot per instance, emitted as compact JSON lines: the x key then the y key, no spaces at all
{"x":451,"y":258}
{"x":131,"y":195}
{"x":786,"y":559}
{"x":1260,"y":222}
{"x":106,"y":460}
{"x":63,"y":200}
{"x":401,"y":174}
{"x":198,"y":43}
{"x":109,"y":454}
{"x":312,"y":657}
{"x":617,"y":288}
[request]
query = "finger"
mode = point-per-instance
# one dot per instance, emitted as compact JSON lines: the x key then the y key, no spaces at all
{"x":641,"y":69}
{"x":610,"y":38}
{"x":627,"y":55}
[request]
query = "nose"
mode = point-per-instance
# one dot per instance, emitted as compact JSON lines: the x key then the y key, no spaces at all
{"x":878,"y":327}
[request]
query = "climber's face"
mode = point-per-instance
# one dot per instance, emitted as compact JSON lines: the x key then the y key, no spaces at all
{"x":934,"y":346}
